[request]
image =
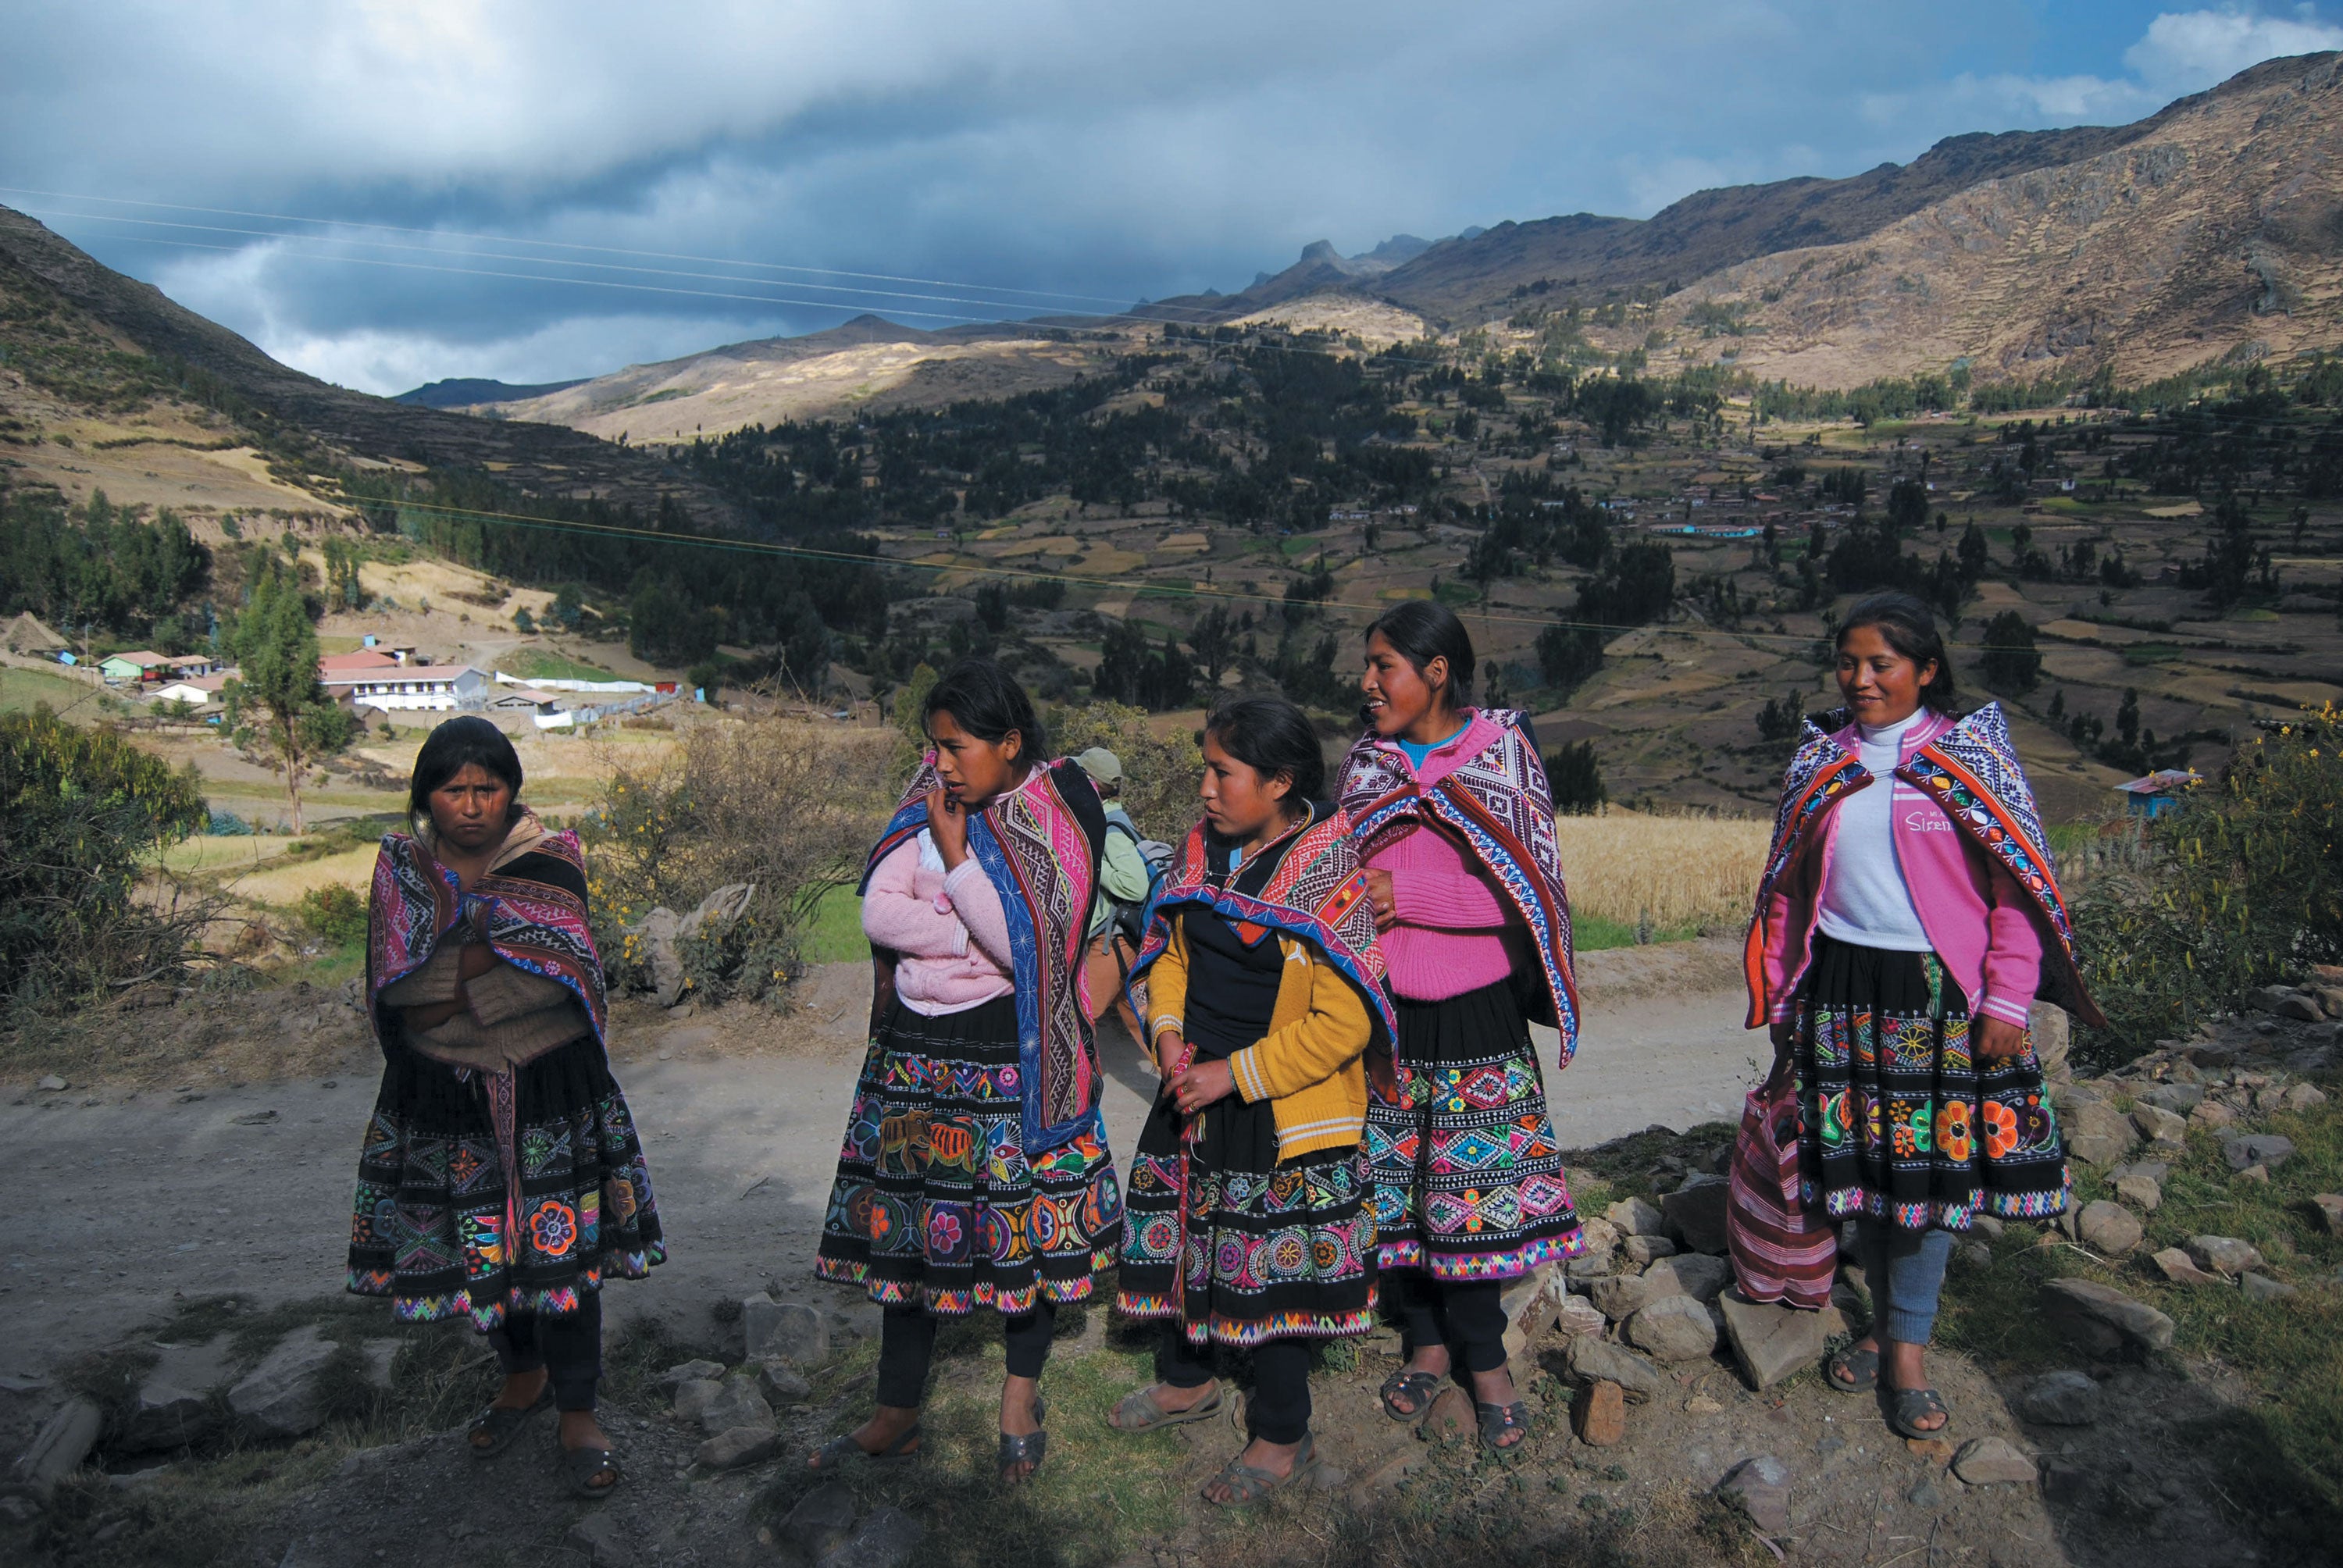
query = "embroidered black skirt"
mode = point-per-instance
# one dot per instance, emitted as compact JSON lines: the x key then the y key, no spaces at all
{"x":488,"y":1194}
{"x":1264,"y":1250}
{"x":1897,"y":1122}
{"x":1468,"y":1181}
{"x":936,"y":1202}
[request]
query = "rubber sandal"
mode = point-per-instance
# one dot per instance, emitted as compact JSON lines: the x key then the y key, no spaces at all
{"x":1862,"y":1366}
{"x":1138,"y":1412}
{"x":1249,"y":1484}
{"x":502,"y":1425}
{"x":1497,"y":1420}
{"x":1029,"y":1448}
{"x":1907,"y":1405}
{"x":579,"y":1467}
{"x":1422,"y":1386}
{"x":840,"y":1451}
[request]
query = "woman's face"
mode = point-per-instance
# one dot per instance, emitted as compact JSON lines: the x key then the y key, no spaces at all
{"x":974,"y":771}
{"x":472,"y":808}
{"x":1397,"y":695}
{"x":1880,"y":685}
{"x":1239,"y":802}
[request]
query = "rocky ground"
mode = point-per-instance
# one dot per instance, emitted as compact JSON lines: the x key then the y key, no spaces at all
{"x":244,"y":1415}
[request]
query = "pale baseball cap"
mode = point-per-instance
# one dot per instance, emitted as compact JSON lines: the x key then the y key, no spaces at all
{"x":1101,"y":765}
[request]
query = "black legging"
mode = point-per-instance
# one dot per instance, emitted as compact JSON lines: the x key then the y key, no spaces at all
{"x":1466,"y":1315}
{"x":567,"y":1345}
{"x":906,"y":1343}
{"x":1278,"y":1410}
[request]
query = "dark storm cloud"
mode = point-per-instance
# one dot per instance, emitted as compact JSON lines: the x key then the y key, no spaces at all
{"x":1087,"y":155}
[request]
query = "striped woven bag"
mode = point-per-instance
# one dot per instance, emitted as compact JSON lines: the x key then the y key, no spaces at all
{"x":1781,"y":1252}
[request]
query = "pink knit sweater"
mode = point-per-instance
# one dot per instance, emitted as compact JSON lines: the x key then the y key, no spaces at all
{"x":928,"y":918}
{"x":1455,"y":931}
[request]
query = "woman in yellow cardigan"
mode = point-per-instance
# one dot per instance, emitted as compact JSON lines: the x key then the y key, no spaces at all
{"x":1248,"y":1217}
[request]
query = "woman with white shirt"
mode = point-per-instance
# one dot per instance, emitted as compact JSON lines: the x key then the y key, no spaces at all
{"x":1908,"y":917}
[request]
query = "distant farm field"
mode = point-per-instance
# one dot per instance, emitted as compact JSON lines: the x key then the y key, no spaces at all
{"x":1683,"y":871}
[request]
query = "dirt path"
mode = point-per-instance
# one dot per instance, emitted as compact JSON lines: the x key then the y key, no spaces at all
{"x":123,"y":1203}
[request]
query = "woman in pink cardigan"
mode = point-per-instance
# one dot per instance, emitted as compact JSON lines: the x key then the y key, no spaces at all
{"x":1908,"y":916}
{"x":1456,"y":824}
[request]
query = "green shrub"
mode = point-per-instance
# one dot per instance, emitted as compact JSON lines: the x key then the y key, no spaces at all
{"x":334,"y":914}
{"x":2241,"y":889}
{"x":82,"y":814}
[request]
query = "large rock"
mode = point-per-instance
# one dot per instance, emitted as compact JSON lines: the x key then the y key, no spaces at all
{"x":783,"y":1382}
{"x":2141,"y":1192}
{"x":687,"y":1372}
{"x":2179,"y":1099}
{"x":2224,"y":1255}
{"x":2103,"y":1320}
{"x":602,"y":1538}
{"x":63,"y":1441}
{"x":2097,"y":1133}
{"x":736,"y":1403}
{"x":1577,"y":1315}
{"x":2212,"y":1113}
{"x":1984,"y":1460}
{"x":2181,"y":1269}
{"x":2109,"y":1227}
{"x":886,"y":1539}
{"x":1523,"y":1296}
{"x":2047,"y":1025}
{"x":2328,"y":1206}
{"x":1695,"y":1274}
{"x":1760,"y":1488}
{"x":1598,"y":1415}
{"x":2060,"y":1399}
{"x":2269,"y":1149}
{"x":1772,"y":1341}
{"x":1695,"y":1212}
{"x":694,"y":1395}
{"x":787,"y":1331}
{"x":655,"y":941}
{"x":2160,"y":1126}
{"x":172,"y":1406}
{"x":2302,"y":1097}
{"x":738,"y":1447}
{"x":1642,"y":1252}
{"x":1636,"y":1217}
{"x":1674,"y":1329}
{"x":284,"y":1396}
{"x":1591,"y":1359}
{"x":2262,"y":1288}
{"x":822,"y":1521}
{"x":1624,"y":1295}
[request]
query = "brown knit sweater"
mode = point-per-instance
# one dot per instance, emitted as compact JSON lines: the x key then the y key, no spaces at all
{"x":513,"y":1016}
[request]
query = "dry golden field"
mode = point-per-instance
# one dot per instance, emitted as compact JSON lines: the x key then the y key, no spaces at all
{"x":1684,"y":870}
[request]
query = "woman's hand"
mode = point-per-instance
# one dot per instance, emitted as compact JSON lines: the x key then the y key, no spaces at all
{"x":1383,"y":897}
{"x":1169,"y":1047}
{"x":1202,"y":1084}
{"x":1784,"y":1035}
{"x":948,"y":826}
{"x":1994,"y":1038}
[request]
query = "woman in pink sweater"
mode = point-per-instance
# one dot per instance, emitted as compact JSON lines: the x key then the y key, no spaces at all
{"x":1908,"y":917}
{"x":975,"y":1170}
{"x":1455,"y":822}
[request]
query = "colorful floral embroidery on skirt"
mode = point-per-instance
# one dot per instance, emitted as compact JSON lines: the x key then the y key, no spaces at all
{"x":935,"y":1202}
{"x":1899,"y":1123}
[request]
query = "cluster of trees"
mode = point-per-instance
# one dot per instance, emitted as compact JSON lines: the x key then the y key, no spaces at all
{"x":1631,"y":586}
{"x":99,"y":566}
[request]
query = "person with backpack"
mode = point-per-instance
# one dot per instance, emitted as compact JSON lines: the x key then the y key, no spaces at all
{"x":1129,"y":870}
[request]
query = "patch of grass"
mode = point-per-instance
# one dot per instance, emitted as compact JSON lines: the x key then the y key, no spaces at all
{"x":2153,"y":653}
{"x":834,"y":935}
{"x":22,"y":689}
{"x":544,"y":664}
{"x":2281,"y":1457}
{"x":1592,"y":933}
